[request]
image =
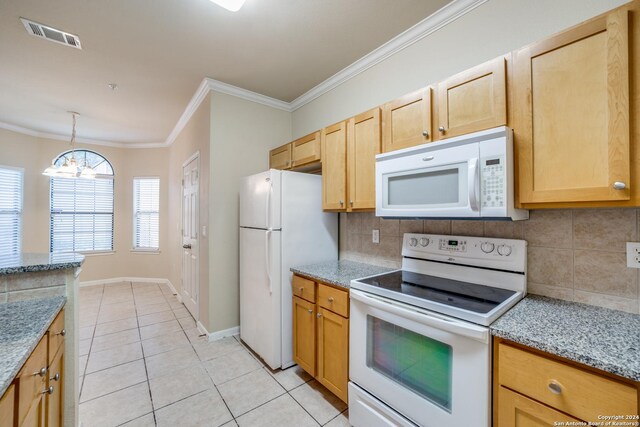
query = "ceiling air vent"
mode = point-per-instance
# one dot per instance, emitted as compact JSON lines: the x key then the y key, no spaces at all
{"x":51,"y":34}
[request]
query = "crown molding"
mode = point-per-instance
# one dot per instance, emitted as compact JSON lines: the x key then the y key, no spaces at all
{"x":422,"y":29}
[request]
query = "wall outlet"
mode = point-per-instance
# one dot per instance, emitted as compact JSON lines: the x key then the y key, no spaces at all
{"x":375,"y":236}
{"x":633,"y":254}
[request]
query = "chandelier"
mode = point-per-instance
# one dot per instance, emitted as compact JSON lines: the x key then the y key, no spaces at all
{"x":70,"y":167}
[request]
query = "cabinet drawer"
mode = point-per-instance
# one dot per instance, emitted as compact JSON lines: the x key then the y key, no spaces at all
{"x":304,"y":288}
{"x":7,"y":403}
{"x":333,"y":299}
{"x":56,"y":336}
{"x":30,"y":383}
{"x":577,"y":392}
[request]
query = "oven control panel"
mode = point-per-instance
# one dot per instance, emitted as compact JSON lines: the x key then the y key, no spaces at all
{"x":506,"y":254}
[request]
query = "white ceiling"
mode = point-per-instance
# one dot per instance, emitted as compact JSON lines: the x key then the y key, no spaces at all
{"x":158,"y":52}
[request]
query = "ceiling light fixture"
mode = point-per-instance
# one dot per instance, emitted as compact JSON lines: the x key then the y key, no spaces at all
{"x":232,"y":5}
{"x":70,"y":167}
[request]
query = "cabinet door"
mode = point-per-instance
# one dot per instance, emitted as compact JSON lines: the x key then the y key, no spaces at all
{"x":516,"y":410}
{"x":406,"y":121}
{"x":55,"y":400}
{"x":305,"y":150}
{"x":304,"y":335}
{"x":7,"y":407}
{"x":280,"y":158}
{"x":363,"y":141}
{"x":333,"y":352}
{"x":473,"y":100}
{"x":571,"y":116}
{"x":334,"y":167}
{"x":31,"y":386}
{"x":35,"y":417}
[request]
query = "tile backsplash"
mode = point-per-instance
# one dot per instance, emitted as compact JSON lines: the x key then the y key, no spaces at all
{"x":576,"y":255}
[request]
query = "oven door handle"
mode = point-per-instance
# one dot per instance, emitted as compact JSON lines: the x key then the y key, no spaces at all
{"x":423,"y":317}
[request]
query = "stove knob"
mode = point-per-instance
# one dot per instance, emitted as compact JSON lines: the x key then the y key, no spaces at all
{"x":504,"y":250}
{"x":487,"y":247}
{"x":424,"y":242}
{"x":413,"y":241}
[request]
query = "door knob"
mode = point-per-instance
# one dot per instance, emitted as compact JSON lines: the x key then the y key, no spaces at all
{"x":56,"y":377}
{"x":425,"y":134}
{"x":186,"y":246}
{"x":48,"y":390}
{"x":441,"y":129}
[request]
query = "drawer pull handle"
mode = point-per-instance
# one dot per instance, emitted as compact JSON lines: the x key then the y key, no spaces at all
{"x":56,"y":377}
{"x":555,"y":387}
{"x":62,"y":332}
{"x":330,"y":299}
{"x":42,"y":372}
{"x":48,"y":390}
{"x":309,"y":310}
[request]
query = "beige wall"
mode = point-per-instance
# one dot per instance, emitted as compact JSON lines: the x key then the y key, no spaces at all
{"x":242,"y":132}
{"x":34,"y":154}
{"x":193,"y":138}
{"x":492,"y":29}
{"x":576,"y":255}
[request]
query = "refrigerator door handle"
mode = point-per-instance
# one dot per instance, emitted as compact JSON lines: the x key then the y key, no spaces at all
{"x":268,"y":259}
{"x":268,"y":204}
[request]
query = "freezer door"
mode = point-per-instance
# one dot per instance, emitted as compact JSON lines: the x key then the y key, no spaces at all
{"x":260,"y":200}
{"x":260,"y":293}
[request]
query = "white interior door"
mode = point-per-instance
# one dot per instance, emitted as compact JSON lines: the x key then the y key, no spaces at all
{"x":190,"y":207}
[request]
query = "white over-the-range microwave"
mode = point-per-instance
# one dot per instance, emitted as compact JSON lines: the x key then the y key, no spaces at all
{"x":466,"y":177}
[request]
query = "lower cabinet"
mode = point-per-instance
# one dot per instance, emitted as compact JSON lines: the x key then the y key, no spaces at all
{"x":516,"y":410}
{"x":321,"y":333}
{"x":55,"y":400}
{"x":7,"y":403}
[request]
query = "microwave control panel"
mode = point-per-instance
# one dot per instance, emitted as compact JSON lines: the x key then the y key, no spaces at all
{"x":492,"y":184}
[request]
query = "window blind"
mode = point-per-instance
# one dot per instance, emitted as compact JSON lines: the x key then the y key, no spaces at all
{"x":81,"y":215}
{"x":146,"y":213}
{"x":10,"y":210}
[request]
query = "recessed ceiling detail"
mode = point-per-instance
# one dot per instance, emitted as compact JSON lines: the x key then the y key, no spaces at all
{"x":51,"y":34}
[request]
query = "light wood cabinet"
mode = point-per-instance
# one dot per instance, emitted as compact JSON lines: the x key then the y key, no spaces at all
{"x":531,"y":389}
{"x":32,"y":387}
{"x":54,"y":401}
{"x":571,"y":114}
{"x":304,"y":333}
{"x":363,"y":142}
{"x":280,"y":158}
{"x":321,"y":334}
{"x":305,"y":150}
{"x":334,"y":167}
{"x":406,"y":121}
{"x":7,"y":404}
{"x":472,"y":100}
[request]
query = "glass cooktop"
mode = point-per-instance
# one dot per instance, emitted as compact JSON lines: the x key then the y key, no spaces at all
{"x":463,"y":295}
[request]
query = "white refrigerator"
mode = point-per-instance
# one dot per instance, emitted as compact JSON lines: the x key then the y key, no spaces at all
{"x":282,"y":225}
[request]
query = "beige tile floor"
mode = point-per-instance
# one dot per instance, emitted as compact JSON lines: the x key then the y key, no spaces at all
{"x":143,"y":363}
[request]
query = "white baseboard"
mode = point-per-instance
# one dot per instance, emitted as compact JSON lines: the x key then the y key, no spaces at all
{"x":115,"y":280}
{"x":218,"y":335}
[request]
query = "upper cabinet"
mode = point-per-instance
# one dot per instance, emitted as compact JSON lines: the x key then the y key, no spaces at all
{"x":305,"y":150}
{"x":571,"y":114}
{"x":363,"y":143}
{"x":472,"y":100}
{"x":406,"y":121}
{"x":334,"y":166}
{"x":280,"y":158}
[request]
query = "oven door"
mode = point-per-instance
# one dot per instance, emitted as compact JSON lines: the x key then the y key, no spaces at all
{"x":429,"y":183}
{"x":432,"y":369}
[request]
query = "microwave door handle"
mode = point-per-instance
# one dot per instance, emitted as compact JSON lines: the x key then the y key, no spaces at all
{"x":472,"y":179}
{"x":450,"y":325}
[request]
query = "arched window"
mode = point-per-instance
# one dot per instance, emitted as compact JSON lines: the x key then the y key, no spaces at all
{"x":82,"y":209}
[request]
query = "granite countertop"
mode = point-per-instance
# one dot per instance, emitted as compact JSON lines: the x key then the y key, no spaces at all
{"x":339,"y":273}
{"x":22,"y":325}
{"x":31,"y":262}
{"x":605,"y":339}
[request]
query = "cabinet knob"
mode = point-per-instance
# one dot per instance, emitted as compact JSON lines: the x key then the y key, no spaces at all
{"x":287,"y":162}
{"x":309,"y":310}
{"x":319,"y":315}
{"x":330,"y":299}
{"x":619,"y":185}
{"x":56,"y":377}
{"x":341,"y":203}
{"x":42,"y":372}
{"x":441,"y":129}
{"x":63,"y":332}
{"x":425,"y":134}
{"x":48,"y":390}
{"x":351,"y":202}
{"x":554,"y":387}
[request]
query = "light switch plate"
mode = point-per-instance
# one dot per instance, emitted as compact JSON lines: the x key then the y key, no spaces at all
{"x":375,"y":236}
{"x":633,"y":254}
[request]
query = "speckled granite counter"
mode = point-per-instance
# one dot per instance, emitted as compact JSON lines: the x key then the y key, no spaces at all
{"x":605,"y":339}
{"x":22,"y":324}
{"x":29,"y":263}
{"x":339,"y":273}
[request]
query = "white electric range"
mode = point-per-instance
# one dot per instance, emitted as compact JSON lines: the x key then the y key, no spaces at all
{"x":420,"y":350}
